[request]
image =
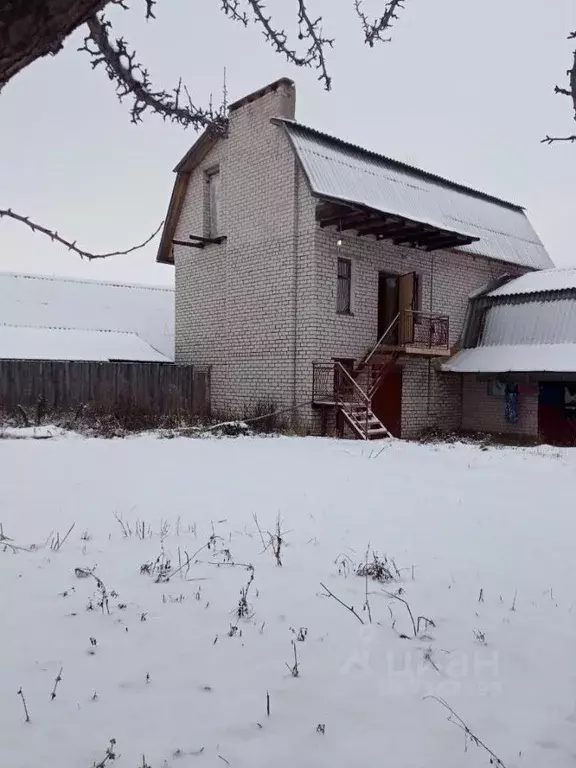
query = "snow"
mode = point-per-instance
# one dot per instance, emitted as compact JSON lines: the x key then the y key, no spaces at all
{"x":535,"y":282}
{"x":487,"y":534}
{"x":28,"y":343}
{"x":43,"y":432}
{"x":503,"y":358}
{"x":58,"y":302}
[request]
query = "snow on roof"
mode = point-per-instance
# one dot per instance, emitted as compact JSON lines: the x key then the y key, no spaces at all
{"x":514,"y":358}
{"x":539,"y":282}
{"x":532,"y":335}
{"x":56,"y":302}
{"x":19,"y":342}
{"x":342,"y":171}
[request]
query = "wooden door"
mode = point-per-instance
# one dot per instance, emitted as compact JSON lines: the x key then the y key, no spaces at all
{"x":387,"y":401}
{"x":406,"y":286}
{"x":556,"y":412}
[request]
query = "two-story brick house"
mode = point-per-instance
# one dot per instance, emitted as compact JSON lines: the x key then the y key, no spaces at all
{"x":315,"y":274}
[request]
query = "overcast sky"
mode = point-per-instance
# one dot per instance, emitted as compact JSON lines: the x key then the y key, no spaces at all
{"x":465,"y":89}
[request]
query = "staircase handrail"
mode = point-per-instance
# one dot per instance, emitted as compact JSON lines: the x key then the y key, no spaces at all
{"x":381,"y":339}
{"x":352,"y":380}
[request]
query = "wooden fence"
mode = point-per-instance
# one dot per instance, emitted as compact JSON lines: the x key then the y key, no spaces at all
{"x":157,"y":387}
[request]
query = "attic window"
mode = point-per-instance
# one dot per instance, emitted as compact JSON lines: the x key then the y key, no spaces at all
{"x":213,"y":203}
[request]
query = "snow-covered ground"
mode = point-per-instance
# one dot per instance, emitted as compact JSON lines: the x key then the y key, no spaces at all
{"x":483,"y":539}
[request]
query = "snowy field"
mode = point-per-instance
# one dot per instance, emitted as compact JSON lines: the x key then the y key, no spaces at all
{"x":181,"y":666}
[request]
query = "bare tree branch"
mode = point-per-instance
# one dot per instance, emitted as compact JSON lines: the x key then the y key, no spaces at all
{"x":312,"y":31}
{"x":571,"y":91}
{"x":572,"y":76}
{"x":374,"y":30}
{"x":552,"y":139}
{"x":133,"y":80}
{"x":232,"y":9}
{"x":308,"y":30}
{"x":150,"y":9}
{"x":54,"y":236}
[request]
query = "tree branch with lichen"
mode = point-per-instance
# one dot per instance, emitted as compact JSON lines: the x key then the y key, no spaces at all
{"x":308,"y":30}
{"x":374,"y":30}
{"x":571,"y":92}
{"x":133,"y":80}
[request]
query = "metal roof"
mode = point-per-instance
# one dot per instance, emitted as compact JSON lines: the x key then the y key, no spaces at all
{"x":41,"y":343}
{"x":533,"y":334}
{"x":539,"y":282}
{"x":340,"y":171}
{"x":520,"y":358}
{"x":551,"y":321}
{"x":58,"y":302}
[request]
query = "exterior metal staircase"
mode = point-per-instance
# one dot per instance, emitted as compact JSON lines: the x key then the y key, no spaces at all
{"x":363,"y":422}
{"x":351,"y":389}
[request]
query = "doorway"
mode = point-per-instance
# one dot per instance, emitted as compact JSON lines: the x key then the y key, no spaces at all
{"x":388,"y":297}
{"x":557,"y":412}
{"x":387,"y":401}
{"x":396,"y":296}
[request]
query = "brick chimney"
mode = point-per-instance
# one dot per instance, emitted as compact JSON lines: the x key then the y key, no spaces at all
{"x":278,"y":99}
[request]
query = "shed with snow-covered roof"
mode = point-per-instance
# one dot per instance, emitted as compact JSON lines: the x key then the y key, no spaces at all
{"x":119,"y":320}
{"x":518,"y":357}
{"x":72,"y":343}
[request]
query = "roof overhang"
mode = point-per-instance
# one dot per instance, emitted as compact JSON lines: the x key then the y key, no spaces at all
{"x":514,"y":358}
{"x":369,"y":222}
{"x":195,"y":155}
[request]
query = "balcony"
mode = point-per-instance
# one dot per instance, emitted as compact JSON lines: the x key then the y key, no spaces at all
{"x":415,"y":333}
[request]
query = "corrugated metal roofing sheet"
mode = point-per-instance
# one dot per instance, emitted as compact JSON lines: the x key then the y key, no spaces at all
{"x":551,"y":321}
{"x":30,"y":343}
{"x":539,"y":282}
{"x":520,"y":358}
{"x":57,"y":302}
{"x":534,"y":334}
{"x":345,"y":172}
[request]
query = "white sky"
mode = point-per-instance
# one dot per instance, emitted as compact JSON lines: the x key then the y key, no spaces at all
{"x":465,"y":89}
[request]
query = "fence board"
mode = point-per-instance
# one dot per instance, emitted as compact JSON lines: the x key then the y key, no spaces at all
{"x":67,"y":384}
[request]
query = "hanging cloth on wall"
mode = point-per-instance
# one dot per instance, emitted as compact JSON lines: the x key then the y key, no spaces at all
{"x":511,"y":404}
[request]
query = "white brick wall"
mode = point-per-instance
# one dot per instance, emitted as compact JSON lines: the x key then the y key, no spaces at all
{"x":261,"y":307}
{"x":234,"y":302}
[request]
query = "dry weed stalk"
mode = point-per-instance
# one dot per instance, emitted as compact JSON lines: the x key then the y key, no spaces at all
{"x":350,"y":608}
{"x":26,"y":714}
{"x":57,"y":543}
{"x":277,"y":540}
{"x":415,"y":624}
{"x":56,"y":681}
{"x":109,"y":756}
{"x":469,"y":735}
{"x":295,"y":668}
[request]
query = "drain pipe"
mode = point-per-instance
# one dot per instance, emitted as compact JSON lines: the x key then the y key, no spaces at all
{"x":429,"y":382}
{"x":295,"y":235}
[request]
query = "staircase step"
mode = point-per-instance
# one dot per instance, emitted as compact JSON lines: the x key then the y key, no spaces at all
{"x":370,"y":421}
{"x":379,"y":432}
